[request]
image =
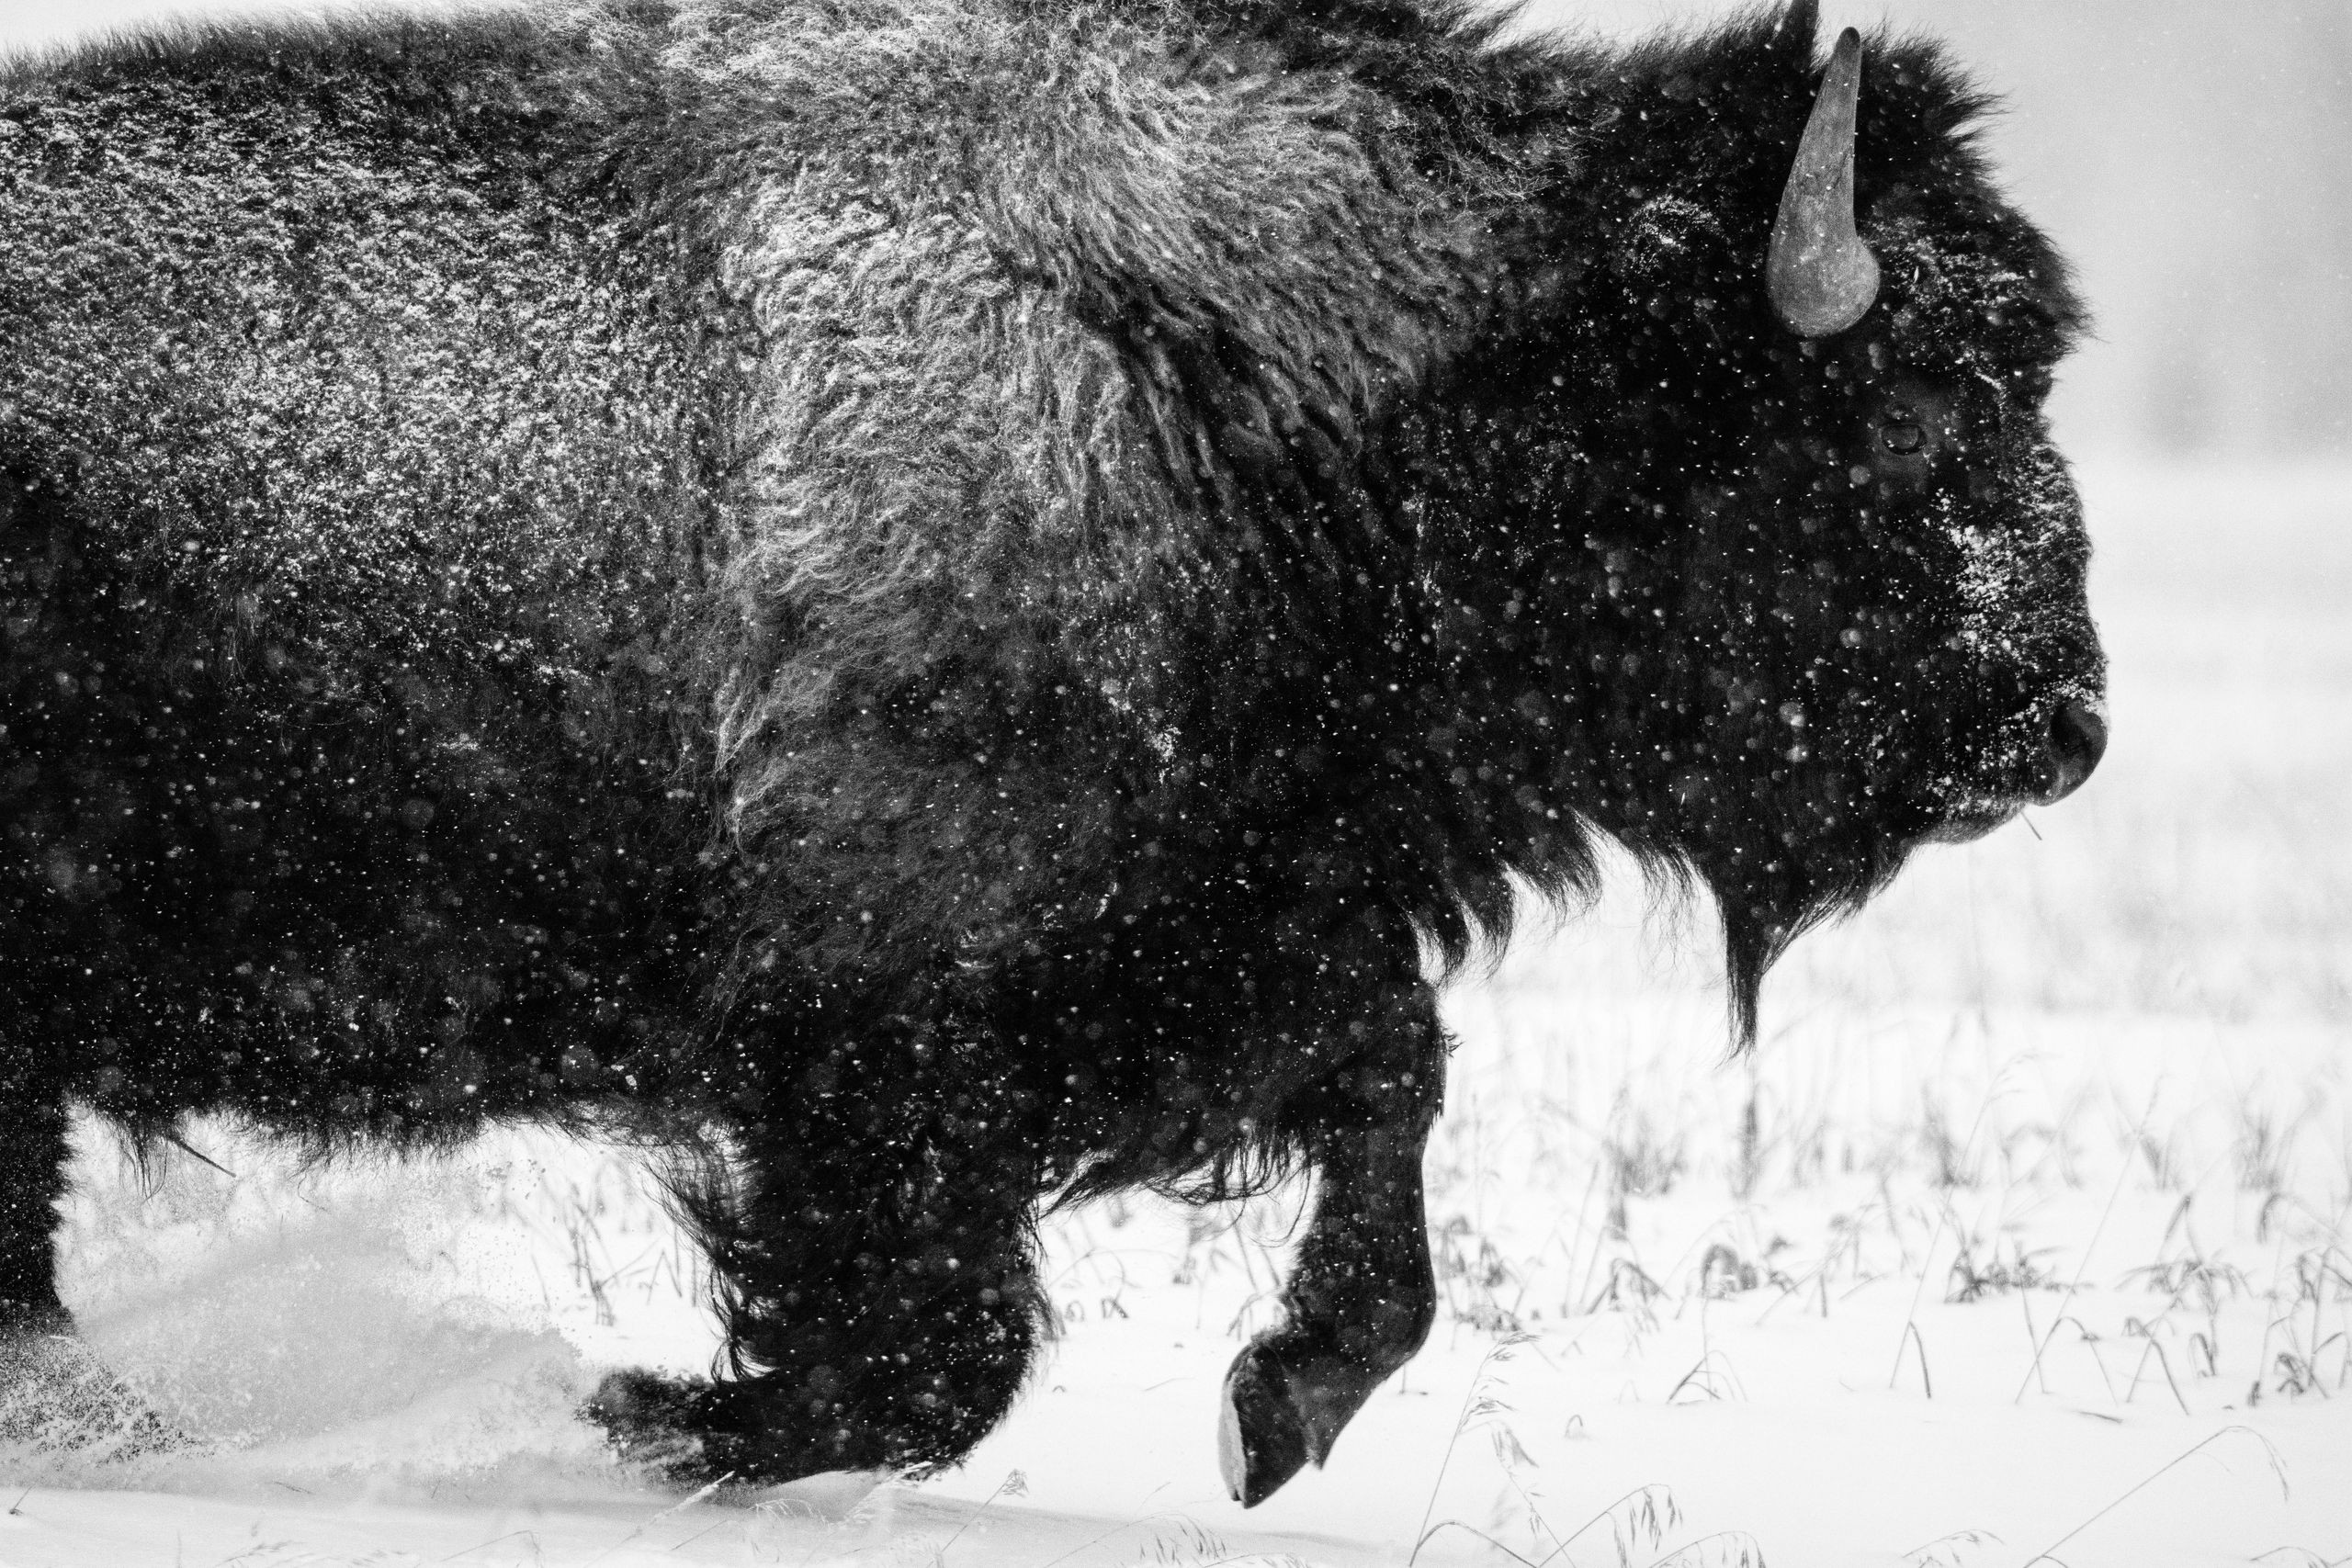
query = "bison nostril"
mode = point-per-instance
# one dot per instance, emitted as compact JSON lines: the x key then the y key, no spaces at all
{"x":2077,"y":740}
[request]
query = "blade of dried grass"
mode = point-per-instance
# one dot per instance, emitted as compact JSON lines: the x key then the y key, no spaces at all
{"x":2074,"y":1288}
{"x":2278,"y":1468}
{"x":1911,"y":1336}
{"x":2157,"y":1350}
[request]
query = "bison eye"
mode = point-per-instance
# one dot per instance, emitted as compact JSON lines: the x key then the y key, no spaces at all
{"x":1905,"y":436}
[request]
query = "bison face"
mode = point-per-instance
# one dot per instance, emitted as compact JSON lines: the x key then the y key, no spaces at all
{"x":1811,"y":570}
{"x":1887,"y":638}
{"x":1993,"y":652}
{"x":1899,"y":646}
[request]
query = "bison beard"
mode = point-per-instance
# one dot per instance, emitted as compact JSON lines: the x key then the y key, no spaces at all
{"x":928,"y":605}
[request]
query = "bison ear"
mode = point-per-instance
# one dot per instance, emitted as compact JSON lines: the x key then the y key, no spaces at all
{"x":1821,"y":276}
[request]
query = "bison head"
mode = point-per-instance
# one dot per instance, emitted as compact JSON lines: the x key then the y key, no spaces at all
{"x":1789,"y":542}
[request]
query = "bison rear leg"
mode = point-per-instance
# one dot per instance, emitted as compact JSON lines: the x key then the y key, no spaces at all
{"x":53,"y":1393}
{"x":880,"y":1302}
{"x":1360,"y":1302}
{"x":32,"y":1179}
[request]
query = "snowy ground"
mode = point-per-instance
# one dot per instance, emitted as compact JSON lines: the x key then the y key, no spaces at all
{"x":2029,"y":1231}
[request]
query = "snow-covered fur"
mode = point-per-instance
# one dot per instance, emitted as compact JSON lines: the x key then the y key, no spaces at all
{"x":933,"y":601}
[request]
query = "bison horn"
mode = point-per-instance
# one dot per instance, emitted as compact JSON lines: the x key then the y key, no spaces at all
{"x":1822,"y":277}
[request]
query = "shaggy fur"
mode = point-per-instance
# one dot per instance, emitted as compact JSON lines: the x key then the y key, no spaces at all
{"x":931,"y":603}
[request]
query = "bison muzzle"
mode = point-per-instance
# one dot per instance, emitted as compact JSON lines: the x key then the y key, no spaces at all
{"x":930,"y":607}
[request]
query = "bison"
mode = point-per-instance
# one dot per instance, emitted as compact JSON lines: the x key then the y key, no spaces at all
{"x":932,"y":607}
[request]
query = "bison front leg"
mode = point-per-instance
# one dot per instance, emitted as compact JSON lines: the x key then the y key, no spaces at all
{"x":1359,"y":1302}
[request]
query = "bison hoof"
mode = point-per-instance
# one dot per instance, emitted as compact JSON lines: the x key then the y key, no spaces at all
{"x":56,"y":1397}
{"x":656,"y":1422}
{"x":696,"y":1432}
{"x":1281,"y":1414}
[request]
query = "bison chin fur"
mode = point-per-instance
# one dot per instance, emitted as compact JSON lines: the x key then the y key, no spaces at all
{"x":927,"y":606}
